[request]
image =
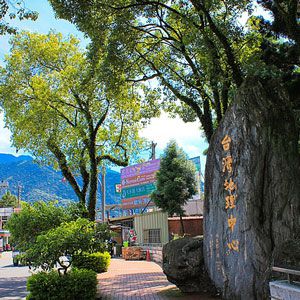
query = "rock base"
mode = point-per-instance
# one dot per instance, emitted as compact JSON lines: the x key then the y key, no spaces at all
{"x":183,"y":264}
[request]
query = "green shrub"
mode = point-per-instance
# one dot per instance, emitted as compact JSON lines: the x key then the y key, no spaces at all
{"x":97,"y":261}
{"x":78,"y":284}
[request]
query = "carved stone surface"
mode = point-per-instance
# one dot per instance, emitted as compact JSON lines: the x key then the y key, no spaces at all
{"x":240,"y":236}
{"x":183,"y":264}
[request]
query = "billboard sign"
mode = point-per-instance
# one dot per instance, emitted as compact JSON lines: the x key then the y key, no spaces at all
{"x":138,"y":190}
{"x":150,"y":166}
{"x":137,"y":180}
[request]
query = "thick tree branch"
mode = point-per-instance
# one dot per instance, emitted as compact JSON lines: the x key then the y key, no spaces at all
{"x":63,"y":164}
{"x":155,"y":4}
{"x":62,"y":115}
{"x":144,"y":78}
{"x":84,"y":173}
{"x":101,"y":120}
{"x":118,"y":162}
{"x":236,"y":71}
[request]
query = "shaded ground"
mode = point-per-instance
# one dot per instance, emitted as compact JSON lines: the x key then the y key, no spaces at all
{"x":174,"y":293}
{"x":136,"y":280}
{"x":12,"y":279}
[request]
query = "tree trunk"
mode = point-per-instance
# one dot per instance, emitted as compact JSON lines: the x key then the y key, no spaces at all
{"x":181,"y":225}
{"x":93,"y":182}
{"x":242,"y":231}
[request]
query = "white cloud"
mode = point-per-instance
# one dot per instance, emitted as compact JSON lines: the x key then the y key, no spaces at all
{"x":163,"y":129}
{"x":187,"y":135}
{"x":5,"y":143}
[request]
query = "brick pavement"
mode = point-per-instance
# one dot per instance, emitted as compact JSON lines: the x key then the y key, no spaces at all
{"x":137,"y":280}
{"x":132,"y":280}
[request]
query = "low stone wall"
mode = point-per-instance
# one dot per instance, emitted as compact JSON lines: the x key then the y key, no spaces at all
{"x":283,"y":290}
{"x":155,"y":253}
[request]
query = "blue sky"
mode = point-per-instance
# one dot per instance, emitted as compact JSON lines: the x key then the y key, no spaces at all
{"x":161,"y":130}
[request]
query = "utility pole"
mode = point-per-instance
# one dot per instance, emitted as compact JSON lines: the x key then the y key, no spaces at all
{"x":153,"y":145}
{"x":103,"y":193}
{"x":19,"y":194}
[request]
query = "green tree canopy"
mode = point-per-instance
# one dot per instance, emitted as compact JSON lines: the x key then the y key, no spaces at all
{"x":68,"y":239}
{"x":63,"y":108}
{"x":36,"y":219}
{"x":8,"y":200}
{"x":176,"y":181}
{"x":198,"y":51}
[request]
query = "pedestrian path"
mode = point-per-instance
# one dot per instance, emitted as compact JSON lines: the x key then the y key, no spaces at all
{"x":137,"y":280}
{"x":132,"y":280}
{"x":12,"y":279}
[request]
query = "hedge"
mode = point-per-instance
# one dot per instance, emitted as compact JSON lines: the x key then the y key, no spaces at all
{"x":78,"y":284}
{"x":97,"y":261}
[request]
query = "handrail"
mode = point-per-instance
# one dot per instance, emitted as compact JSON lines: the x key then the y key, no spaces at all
{"x":286,"y":271}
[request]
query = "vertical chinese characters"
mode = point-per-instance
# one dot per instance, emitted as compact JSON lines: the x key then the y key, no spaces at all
{"x":231,"y":188}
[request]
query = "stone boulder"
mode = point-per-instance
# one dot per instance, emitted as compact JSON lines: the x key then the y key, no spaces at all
{"x":183,"y":264}
{"x":252,"y":190}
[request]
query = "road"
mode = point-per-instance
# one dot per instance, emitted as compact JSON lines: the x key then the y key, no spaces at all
{"x":12,"y":279}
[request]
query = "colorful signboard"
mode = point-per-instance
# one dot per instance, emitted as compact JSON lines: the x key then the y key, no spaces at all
{"x":150,"y":166}
{"x":140,"y":179}
{"x":138,"y":182}
{"x":138,"y":190}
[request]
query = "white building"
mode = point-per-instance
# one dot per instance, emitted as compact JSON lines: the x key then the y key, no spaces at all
{"x":5,"y":213}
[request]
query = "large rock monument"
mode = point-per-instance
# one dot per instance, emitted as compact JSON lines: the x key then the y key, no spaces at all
{"x":252,"y":190}
{"x":183,"y":264}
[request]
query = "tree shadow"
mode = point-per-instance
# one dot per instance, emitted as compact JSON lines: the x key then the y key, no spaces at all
{"x":13,"y":287}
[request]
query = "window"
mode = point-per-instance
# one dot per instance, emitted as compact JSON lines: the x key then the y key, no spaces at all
{"x":152,"y":236}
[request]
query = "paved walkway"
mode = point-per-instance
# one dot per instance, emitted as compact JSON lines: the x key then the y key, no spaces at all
{"x":12,"y":279}
{"x":137,"y":280}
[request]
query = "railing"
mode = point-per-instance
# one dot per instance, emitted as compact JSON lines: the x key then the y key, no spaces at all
{"x":287,"y":271}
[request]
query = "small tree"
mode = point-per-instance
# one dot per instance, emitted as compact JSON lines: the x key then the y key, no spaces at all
{"x":36,"y":219}
{"x":68,"y":239}
{"x":176,"y":182}
{"x":9,"y":200}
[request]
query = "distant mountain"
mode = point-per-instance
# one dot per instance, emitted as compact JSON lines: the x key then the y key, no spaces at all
{"x":9,"y":158}
{"x":44,"y":183}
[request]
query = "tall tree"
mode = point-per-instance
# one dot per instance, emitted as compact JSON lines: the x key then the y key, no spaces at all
{"x":203,"y":54}
{"x":176,"y":181}
{"x":60,"y":108}
{"x":198,"y":51}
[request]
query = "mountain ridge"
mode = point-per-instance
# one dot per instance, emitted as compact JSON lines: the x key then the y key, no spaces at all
{"x":44,"y":183}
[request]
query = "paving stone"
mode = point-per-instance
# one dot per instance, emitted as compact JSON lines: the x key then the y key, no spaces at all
{"x":133,"y":280}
